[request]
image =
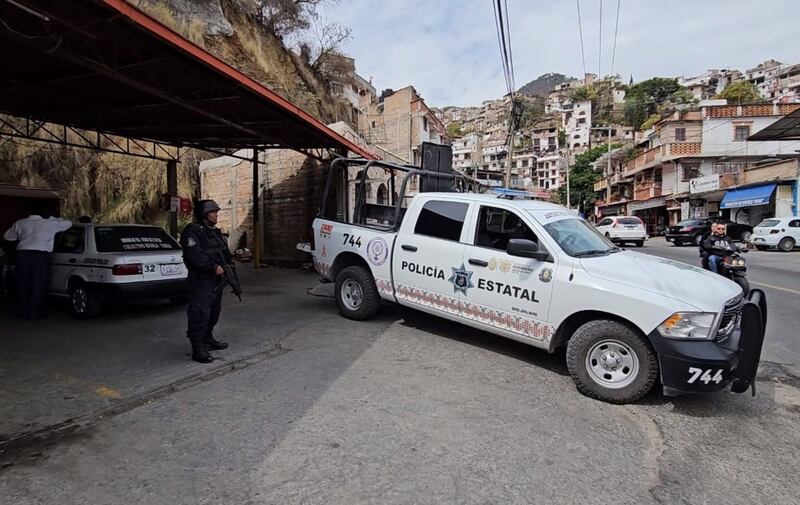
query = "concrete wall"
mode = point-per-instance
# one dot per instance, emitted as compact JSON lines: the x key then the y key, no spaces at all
{"x":719,"y":134}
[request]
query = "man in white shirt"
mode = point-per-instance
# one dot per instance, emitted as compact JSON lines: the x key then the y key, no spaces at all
{"x":34,"y":236}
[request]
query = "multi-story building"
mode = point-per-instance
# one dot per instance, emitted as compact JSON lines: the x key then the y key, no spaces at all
{"x":467,"y":153}
{"x":577,"y":121}
{"x":709,"y":83}
{"x":776,"y":81}
{"x":694,"y":158}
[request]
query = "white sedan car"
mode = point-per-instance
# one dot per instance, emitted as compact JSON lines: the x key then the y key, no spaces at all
{"x":94,"y":264}
{"x":780,"y":232}
{"x":621,"y":229}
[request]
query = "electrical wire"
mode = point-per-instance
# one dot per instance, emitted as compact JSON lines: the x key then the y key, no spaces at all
{"x":510,"y":52}
{"x":600,"y":42}
{"x":500,"y":44}
{"x":580,"y":32}
{"x":614,"y":49}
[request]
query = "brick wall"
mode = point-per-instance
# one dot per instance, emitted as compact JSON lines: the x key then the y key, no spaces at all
{"x":228,"y":181}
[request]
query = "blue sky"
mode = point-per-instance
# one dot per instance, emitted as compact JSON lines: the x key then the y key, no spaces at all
{"x":448,"y":49}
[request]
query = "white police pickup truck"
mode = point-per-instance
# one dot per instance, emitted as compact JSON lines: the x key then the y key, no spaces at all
{"x":98,"y":264}
{"x":537,"y":273}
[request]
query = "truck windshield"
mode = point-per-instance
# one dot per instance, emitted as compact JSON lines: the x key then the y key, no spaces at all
{"x":579,"y":239}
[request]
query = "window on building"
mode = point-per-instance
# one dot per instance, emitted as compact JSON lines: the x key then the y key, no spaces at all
{"x":582,"y":120}
{"x":689,"y":172}
{"x":466,"y":156}
{"x":524,"y":163}
{"x":741,"y":132}
{"x":424,"y":123}
{"x":680,"y":134}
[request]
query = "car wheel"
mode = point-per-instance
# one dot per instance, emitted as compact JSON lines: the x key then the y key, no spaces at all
{"x":677,"y":243}
{"x":746,"y":236}
{"x":83,"y":302}
{"x":698,"y":239}
{"x":639,"y":243}
{"x":356,"y":294}
{"x":761,"y":247}
{"x":786,"y":244}
{"x":611,"y":362}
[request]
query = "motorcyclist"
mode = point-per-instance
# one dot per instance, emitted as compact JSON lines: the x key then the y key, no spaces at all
{"x":715,"y":241}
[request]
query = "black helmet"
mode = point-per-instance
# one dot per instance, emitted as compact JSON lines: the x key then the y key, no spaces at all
{"x":203,"y":207}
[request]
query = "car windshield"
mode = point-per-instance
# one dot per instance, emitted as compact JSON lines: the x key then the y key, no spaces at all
{"x":133,"y":239}
{"x":579,"y":239}
{"x":768,"y":223}
{"x":689,"y":222}
{"x":630,"y":220}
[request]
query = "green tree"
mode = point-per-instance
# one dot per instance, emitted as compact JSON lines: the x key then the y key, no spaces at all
{"x":643,"y":99}
{"x":582,"y":177}
{"x":583,"y":93}
{"x":531,"y":113}
{"x":454,"y":129}
{"x":740,"y":92}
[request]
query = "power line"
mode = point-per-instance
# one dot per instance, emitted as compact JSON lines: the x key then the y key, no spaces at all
{"x":600,"y":42}
{"x":580,"y":32}
{"x":501,"y":43}
{"x":614,"y":49}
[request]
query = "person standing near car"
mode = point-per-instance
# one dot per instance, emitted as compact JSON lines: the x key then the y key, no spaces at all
{"x":34,"y":236}
{"x":204,"y":253}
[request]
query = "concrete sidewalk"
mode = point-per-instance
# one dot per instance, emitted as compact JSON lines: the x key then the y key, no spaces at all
{"x":63,"y":372}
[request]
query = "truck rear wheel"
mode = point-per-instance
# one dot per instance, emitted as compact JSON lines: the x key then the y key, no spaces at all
{"x":611,"y":362}
{"x":356,"y":294}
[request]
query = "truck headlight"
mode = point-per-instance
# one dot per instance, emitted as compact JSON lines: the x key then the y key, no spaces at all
{"x":689,"y":325}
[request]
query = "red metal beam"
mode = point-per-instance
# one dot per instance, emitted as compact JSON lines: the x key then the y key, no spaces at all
{"x":167,"y":35}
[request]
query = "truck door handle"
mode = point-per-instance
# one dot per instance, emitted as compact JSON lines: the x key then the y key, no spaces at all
{"x":411,"y":248}
{"x":71,"y":260}
{"x":479,"y":263}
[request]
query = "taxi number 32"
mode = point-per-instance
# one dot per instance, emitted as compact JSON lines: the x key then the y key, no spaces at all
{"x":148,"y":269}
{"x":352,"y":240}
{"x":704,"y":376}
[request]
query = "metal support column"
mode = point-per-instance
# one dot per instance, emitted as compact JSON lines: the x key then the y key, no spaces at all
{"x":256,"y":216}
{"x":172,"y":189}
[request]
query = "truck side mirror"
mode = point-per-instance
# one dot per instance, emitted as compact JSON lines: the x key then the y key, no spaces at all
{"x":526,"y":249}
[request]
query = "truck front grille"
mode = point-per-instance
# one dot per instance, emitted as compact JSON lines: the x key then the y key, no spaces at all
{"x":730,"y":317}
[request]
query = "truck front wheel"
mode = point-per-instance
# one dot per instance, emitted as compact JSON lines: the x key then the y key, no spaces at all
{"x":356,"y":294}
{"x":611,"y":362}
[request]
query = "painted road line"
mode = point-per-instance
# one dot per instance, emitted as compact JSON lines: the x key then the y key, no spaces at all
{"x":794,"y":291}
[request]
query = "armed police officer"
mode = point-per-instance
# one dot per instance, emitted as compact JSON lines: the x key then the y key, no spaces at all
{"x":205,"y":252}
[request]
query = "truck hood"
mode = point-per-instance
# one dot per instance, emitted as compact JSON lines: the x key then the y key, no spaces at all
{"x":689,"y":284}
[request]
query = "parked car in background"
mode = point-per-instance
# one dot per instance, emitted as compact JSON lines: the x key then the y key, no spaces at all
{"x":95,"y":264}
{"x":692,"y":231}
{"x":621,"y":229}
{"x":780,"y":232}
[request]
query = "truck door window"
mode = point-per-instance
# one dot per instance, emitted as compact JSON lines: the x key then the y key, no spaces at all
{"x":441,"y":219}
{"x":497,"y":226}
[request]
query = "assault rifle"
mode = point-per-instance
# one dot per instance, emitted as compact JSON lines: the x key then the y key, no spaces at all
{"x":231,"y":278}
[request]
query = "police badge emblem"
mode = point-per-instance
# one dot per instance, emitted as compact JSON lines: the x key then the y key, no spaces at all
{"x":461,"y":279}
{"x":546,"y":275}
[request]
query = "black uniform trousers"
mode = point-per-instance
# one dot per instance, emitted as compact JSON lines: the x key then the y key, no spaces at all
{"x":204,"y":307}
{"x":32,"y":275}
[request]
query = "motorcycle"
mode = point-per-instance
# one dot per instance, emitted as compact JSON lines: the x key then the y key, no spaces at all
{"x":733,"y":265}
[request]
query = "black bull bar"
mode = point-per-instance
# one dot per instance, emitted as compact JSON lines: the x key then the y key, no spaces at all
{"x":751,"y":339}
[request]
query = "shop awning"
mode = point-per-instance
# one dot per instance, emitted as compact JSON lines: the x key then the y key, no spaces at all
{"x":747,"y":197}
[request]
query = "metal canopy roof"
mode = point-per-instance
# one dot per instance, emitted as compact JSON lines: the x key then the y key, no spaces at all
{"x":103,"y":65}
{"x":786,"y":128}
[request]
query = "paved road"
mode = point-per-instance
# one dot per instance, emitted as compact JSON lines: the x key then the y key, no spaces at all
{"x":778,"y":274}
{"x":408,"y":408}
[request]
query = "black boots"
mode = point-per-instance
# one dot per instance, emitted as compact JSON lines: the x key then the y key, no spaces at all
{"x":213,"y":344}
{"x":200,"y":351}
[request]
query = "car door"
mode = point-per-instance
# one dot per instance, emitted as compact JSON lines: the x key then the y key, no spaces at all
{"x":428,"y":268}
{"x":509,"y":292}
{"x":66,"y":257}
{"x":603,"y":225}
{"x":794,"y":230}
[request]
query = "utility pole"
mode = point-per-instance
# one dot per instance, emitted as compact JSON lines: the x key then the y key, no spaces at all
{"x":510,"y":155}
{"x":608,"y":169}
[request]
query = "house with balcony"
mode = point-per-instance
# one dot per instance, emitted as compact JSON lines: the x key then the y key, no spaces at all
{"x":613,"y":188}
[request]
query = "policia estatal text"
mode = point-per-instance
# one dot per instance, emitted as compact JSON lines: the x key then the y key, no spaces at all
{"x":204,"y":252}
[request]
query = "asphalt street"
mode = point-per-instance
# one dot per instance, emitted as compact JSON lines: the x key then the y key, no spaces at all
{"x":778,"y":274}
{"x":408,"y":408}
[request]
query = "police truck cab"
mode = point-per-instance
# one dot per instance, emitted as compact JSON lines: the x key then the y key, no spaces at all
{"x":538,"y":273}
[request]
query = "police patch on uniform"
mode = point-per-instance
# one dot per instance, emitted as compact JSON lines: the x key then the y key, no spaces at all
{"x":191,"y":242}
{"x":546,"y":275}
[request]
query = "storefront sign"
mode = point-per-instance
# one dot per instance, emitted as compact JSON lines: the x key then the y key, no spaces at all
{"x":647,"y":204}
{"x":703,"y":184}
